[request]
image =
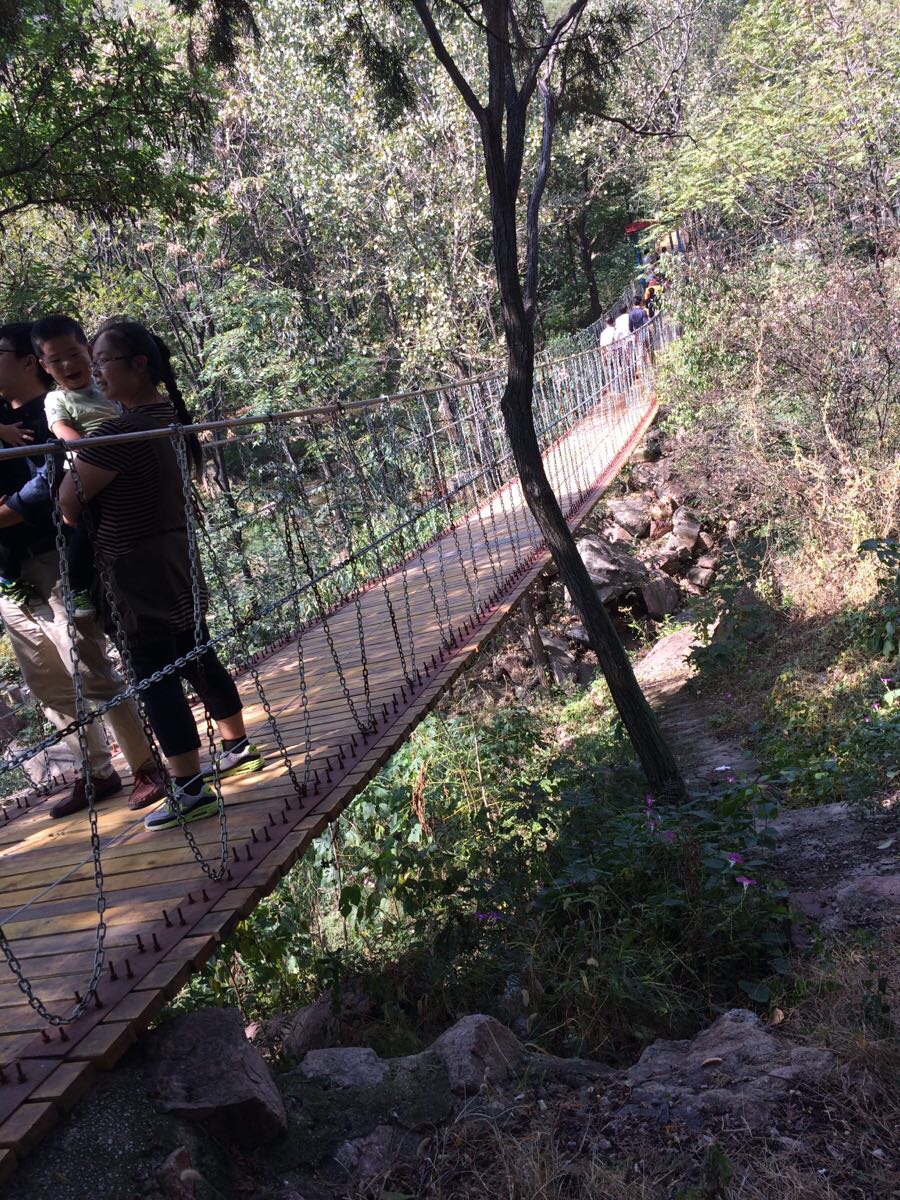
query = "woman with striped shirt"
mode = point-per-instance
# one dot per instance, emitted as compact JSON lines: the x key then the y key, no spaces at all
{"x":134,"y":492}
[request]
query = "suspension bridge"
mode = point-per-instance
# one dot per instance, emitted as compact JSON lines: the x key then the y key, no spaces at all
{"x":359,"y":557}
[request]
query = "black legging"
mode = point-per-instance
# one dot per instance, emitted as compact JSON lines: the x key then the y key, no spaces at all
{"x":167,"y":708}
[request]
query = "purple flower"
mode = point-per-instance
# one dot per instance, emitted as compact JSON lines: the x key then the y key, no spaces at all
{"x":491,"y":916}
{"x":887,"y":679}
{"x":744,"y":881}
{"x":668,"y":835}
{"x":734,"y":858}
{"x":649,"y":801}
{"x":875,"y":706}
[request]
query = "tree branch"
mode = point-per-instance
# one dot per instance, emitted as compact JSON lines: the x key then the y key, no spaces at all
{"x":445,"y":58}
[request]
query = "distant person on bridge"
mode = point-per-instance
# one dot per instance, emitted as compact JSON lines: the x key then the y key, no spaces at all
{"x":638,"y":315}
{"x":607,"y":333}
{"x":135,"y":495}
{"x":622,"y":325}
{"x":38,"y":625}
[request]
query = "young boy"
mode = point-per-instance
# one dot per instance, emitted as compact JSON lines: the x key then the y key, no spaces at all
{"x":74,"y":409}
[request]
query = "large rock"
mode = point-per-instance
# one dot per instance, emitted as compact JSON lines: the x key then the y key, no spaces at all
{"x":478,"y":1050}
{"x":685,"y":529}
{"x":660,"y":595}
{"x":736,"y":1069}
{"x":563,"y":665}
{"x":613,"y":571}
{"x":632,"y":513}
{"x":207,"y":1070}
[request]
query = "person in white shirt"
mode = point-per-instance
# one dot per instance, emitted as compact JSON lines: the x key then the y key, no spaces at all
{"x":621,"y":325}
{"x":608,"y":333}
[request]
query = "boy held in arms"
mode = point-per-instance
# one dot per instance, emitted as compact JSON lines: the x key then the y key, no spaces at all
{"x":74,"y":409}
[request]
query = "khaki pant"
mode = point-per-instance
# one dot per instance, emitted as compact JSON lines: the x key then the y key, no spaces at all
{"x":40,"y":640}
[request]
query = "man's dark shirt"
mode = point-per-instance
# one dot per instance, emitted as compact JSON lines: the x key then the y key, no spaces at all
{"x":24,"y":480}
{"x":636,"y":318}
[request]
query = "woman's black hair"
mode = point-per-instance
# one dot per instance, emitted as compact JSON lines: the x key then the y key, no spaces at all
{"x":135,"y":339}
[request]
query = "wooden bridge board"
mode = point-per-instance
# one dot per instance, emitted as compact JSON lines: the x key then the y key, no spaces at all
{"x":48,"y":905}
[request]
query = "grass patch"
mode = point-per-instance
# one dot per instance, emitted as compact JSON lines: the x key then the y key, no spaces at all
{"x":513,"y":863}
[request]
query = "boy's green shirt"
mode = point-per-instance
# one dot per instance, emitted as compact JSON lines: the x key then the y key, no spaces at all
{"x":85,"y":409}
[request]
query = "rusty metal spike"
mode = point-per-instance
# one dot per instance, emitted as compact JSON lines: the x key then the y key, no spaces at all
{"x":204,"y":895}
{"x":129,"y":974}
{"x":167,"y":919}
{"x":112,"y":971}
{"x":181,"y":920}
{"x":249,"y":852}
{"x":140,"y":944}
{"x":156,"y":945}
{"x":63,"y":1036}
{"x":20,"y":1074}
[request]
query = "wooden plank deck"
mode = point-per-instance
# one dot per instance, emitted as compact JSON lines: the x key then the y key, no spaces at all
{"x":164,"y":916}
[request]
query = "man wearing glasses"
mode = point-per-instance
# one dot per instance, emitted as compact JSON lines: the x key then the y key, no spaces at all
{"x":38,"y":630}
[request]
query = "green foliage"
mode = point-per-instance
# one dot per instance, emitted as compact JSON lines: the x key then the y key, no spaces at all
{"x":513,"y":864}
{"x":802,"y":122}
{"x":887,"y":550}
{"x":97,"y":114}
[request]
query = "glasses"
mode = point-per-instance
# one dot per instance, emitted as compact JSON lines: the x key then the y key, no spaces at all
{"x":100,"y":363}
{"x":71,"y":356}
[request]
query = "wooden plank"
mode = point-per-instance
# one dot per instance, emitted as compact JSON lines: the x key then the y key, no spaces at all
{"x":105,"y":1044}
{"x":66,"y":1085}
{"x":8,"y":1162}
{"x":27,"y":1125}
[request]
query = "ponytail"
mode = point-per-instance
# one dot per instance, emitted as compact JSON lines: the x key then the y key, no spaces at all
{"x":136,"y":340}
{"x":170,"y":383}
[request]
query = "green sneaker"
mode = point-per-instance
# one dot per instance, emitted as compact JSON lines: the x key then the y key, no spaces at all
{"x":190,"y":808}
{"x":83,"y":604}
{"x":237,"y":762}
{"x":15,"y":590}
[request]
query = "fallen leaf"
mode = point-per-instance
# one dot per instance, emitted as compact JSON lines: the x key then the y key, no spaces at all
{"x":710,"y":1062}
{"x":776,"y":1016}
{"x":886,"y":845}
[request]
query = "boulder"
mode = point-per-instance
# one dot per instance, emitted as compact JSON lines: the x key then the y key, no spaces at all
{"x":478,"y":1050}
{"x":701,"y":577}
{"x":631,"y":513}
{"x":706,"y":541}
{"x":708,"y":562}
{"x":736,"y":1069}
{"x":344,"y":1067}
{"x":685,"y":528}
{"x":579,"y":635}
{"x":510,"y":665}
{"x":615,"y":533}
{"x":659,"y":528}
{"x":207,"y":1070}
{"x":613,"y":571}
{"x":176,"y":1176}
{"x":562,"y":662}
{"x":660,"y":595}
{"x":672,"y":561}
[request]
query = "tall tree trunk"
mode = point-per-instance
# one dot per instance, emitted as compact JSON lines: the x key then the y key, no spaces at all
{"x":637,"y":716}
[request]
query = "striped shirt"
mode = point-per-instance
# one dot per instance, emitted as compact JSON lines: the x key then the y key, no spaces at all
{"x":133,"y":506}
{"x":140,"y":528}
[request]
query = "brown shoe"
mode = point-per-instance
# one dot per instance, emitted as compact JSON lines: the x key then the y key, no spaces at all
{"x":104,"y":785}
{"x":149,"y":786}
